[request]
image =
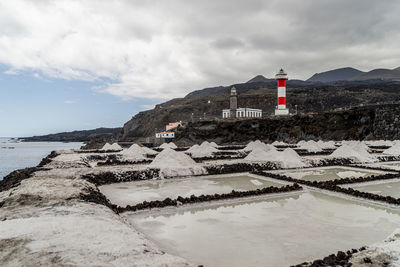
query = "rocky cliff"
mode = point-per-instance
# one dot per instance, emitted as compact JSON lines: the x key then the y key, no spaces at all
{"x":363,"y":123}
{"x":309,"y":97}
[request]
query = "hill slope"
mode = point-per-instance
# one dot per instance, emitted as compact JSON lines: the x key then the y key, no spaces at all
{"x":309,"y":97}
{"x":341,"y":74}
{"x":79,"y":136}
{"x":258,"y":78}
{"x":382,"y":74}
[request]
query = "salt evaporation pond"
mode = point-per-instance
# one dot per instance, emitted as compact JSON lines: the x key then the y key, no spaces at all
{"x":328,"y":173}
{"x":391,"y":189}
{"x":131,"y":193}
{"x":280,"y":231}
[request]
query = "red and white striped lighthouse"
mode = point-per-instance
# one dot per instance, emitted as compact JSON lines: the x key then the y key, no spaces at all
{"x":281,"y":109}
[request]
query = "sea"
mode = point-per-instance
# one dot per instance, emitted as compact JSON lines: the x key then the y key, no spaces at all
{"x":15,"y":154}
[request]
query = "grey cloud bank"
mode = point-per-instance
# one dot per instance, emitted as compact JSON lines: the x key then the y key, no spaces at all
{"x":165,"y":49}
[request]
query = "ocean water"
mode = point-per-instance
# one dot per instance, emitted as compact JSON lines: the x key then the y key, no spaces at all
{"x":16,"y":155}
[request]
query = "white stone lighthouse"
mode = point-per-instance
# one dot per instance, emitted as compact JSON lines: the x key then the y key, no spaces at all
{"x":281,"y":109}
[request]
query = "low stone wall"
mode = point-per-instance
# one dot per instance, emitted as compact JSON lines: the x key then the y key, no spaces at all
{"x":97,"y":151}
{"x":205,"y":198}
{"x":240,"y":167}
{"x":333,"y":185}
{"x":238,"y":147}
{"x":339,"y":259}
{"x":114,"y":162}
{"x":14,"y":178}
{"x":113,"y":177}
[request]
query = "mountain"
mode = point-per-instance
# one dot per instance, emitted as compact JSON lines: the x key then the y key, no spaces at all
{"x":259,"y":78}
{"x":381,"y":74}
{"x":105,"y":134}
{"x":341,"y":74}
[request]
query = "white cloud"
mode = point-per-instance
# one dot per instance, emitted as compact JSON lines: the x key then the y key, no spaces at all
{"x":167,"y":48}
{"x":70,"y":102}
{"x":11,"y":72}
{"x":146,"y":107}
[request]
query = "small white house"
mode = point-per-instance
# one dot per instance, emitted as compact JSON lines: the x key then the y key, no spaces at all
{"x":165,"y":135}
{"x":243,"y":113}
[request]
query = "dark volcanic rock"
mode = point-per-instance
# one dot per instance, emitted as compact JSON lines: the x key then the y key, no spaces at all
{"x":14,"y":178}
{"x":207,"y":104}
{"x":371,"y":122}
{"x":99,"y":135}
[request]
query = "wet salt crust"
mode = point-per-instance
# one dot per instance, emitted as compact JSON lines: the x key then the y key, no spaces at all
{"x":327,"y":173}
{"x":132,"y":193}
{"x":385,"y":188}
{"x":273,"y":232}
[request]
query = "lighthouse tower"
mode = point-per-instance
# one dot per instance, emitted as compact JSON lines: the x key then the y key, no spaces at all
{"x":281,"y":109}
{"x":233,"y":102}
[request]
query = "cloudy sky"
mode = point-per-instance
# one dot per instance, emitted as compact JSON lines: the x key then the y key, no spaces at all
{"x":69,"y":64}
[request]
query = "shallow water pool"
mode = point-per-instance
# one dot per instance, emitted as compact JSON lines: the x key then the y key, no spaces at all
{"x":280,"y":231}
{"x":328,"y":173}
{"x":384,"y":189}
{"x":132,"y":193}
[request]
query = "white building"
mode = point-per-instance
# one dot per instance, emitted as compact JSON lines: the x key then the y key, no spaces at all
{"x":243,"y":113}
{"x":165,"y":135}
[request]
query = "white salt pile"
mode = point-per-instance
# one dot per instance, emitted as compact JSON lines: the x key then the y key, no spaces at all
{"x":380,"y":143}
{"x":326,"y":145}
{"x":258,"y":144}
{"x":356,"y":152}
{"x":172,"y":163}
{"x":149,"y":151}
{"x":114,"y":146}
{"x":310,"y":146}
{"x":393,"y":151}
{"x":279,"y":143}
{"x":168,"y":145}
{"x":213,"y":144}
{"x":134,"y":152}
{"x":287,"y":158}
{"x":204,"y":150}
{"x":290,"y":159}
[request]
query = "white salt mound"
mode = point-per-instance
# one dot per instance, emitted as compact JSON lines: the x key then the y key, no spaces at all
{"x":213,"y":144}
{"x":192,"y":148}
{"x":300,"y":143}
{"x":290,"y":159}
{"x":134,"y":152}
{"x":356,"y":152}
{"x":380,"y":143}
{"x":287,"y":158}
{"x":172,"y":163}
{"x":326,"y":145}
{"x":114,"y":146}
{"x":149,"y":151}
{"x":204,"y":150}
{"x":279,"y":143}
{"x":259,"y":154}
{"x":310,"y":146}
{"x":168,"y":145}
{"x":394,"y":150}
{"x":258,"y":144}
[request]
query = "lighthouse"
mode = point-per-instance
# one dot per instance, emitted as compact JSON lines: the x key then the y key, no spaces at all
{"x":281,"y":109}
